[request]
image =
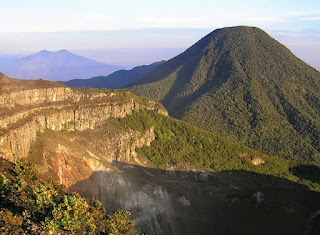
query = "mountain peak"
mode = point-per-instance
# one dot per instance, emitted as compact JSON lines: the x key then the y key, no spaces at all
{"x":242,"y":28}
{"x":64,"y":51}
{"x":43,"y":52}
{"x":56,"y":66}
{"x":237,"y":30}
{"x":59,"y":51}
{"x":238,"y":39}
{"x":245,"y":85}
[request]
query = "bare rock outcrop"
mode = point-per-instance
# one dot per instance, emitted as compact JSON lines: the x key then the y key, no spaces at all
{"x":255,"y":160}
{"x":29,"y":107}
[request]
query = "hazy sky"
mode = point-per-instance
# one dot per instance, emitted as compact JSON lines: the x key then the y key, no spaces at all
{"x":31,"y":25}
{"x":72,"y":15}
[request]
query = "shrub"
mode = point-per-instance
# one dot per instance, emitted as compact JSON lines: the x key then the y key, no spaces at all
{"x":119,"y":223}
{"x":30,"y":204}
{"x":72,"y":215}
{"x":10,"y":223}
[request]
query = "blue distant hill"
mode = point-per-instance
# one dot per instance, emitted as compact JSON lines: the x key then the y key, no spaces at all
{"x":55,"y":66}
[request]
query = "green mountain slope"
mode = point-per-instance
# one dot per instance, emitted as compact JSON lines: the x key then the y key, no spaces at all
{"x":240,"y":83}
{"x":180,"y":146}
{"x":116,"y":80}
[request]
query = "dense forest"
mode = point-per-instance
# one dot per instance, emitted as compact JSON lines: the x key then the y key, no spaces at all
{"x":242,"y":84}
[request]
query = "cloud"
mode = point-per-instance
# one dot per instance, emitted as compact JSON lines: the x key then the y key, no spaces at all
{"x":302,"y":13}
{"x":36,"y":20}
{"x":313,"y":18}
{"x":289,"y":34}
{"x":265,"y":19}
{"x":54,"y":20}
{"x":39,"y":20}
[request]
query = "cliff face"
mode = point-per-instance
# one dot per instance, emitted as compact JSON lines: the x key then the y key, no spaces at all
{"x":31,"y":107}
{"x":69,"y":157}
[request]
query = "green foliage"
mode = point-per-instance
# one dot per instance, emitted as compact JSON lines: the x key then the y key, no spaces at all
{"x":3,"y":181}
{"x":45,"y":197}
{"x":119,"y":223}
{"x":178,"y":142}
{"x":241,"y":84}
{"x":33,"y":205}
{"x":139,"y":121}
{"x":72,"y":215}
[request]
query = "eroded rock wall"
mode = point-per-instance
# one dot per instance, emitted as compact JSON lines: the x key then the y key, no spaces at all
{"x":25,"y":112}
{"x":17,"y":141}
{"x":69,"y":157}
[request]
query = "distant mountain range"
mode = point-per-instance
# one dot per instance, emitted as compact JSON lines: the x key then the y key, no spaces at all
{"x":116,"y":80}
{"x":55,"y":66}
{"x":240,"y":83}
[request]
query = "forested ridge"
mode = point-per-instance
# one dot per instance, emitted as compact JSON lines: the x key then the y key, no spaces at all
{"x":242,"y":84}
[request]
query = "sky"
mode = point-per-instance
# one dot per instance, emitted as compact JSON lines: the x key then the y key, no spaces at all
{"x":73,"y":15}
{"x":93,"y":25}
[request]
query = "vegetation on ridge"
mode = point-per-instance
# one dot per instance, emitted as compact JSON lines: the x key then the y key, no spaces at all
{"x":32,"y":205}
{"x":178,"y":142}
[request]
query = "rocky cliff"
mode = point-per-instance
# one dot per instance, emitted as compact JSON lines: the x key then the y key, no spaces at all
{"x":69,"y":157}
{"x":71,"y":133}
{"x":31,"y":107}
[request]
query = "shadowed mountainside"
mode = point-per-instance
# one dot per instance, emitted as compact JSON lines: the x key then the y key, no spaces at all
{"x":240,"y":83}
{"x":307,"y":171}
{"x":225,"y":202}
{"x":116,"y":80}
